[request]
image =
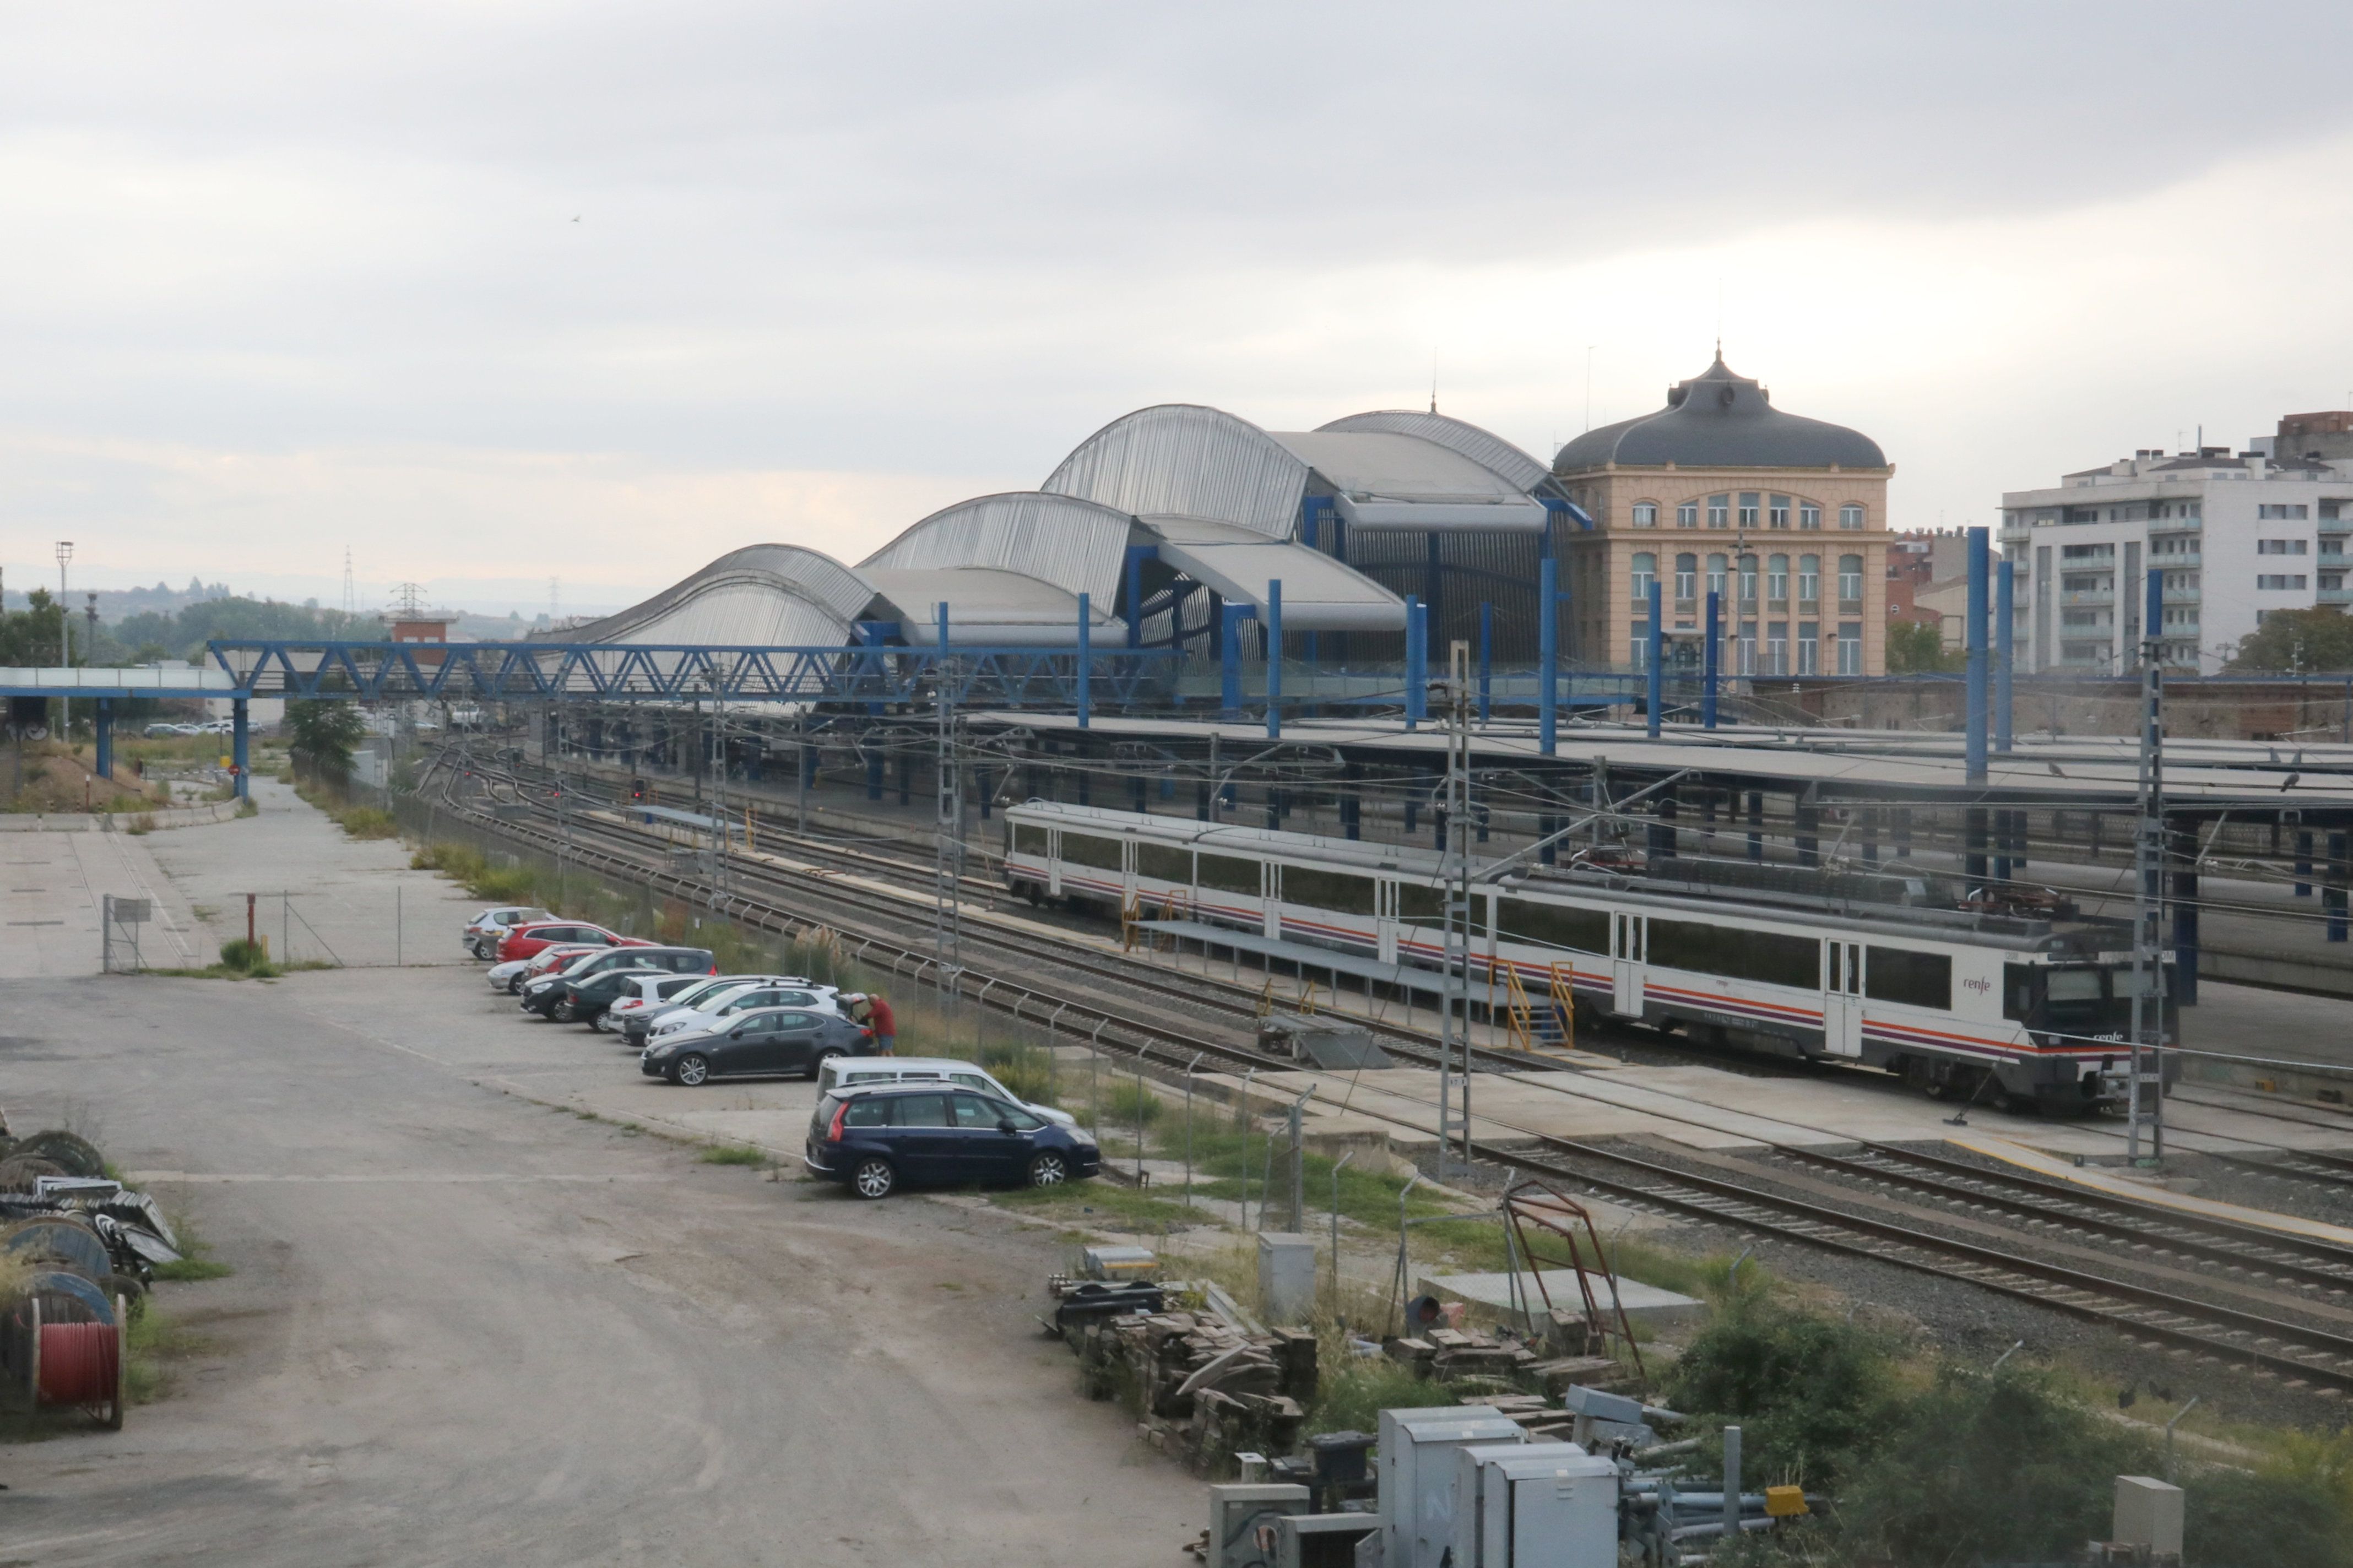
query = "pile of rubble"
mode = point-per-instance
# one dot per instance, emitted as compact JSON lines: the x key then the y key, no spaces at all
{"x":1499,"y":1368}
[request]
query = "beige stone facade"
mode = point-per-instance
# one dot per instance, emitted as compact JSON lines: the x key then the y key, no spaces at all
{"x":1824,"y":528}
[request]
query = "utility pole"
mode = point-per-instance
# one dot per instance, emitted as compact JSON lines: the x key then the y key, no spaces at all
{"x":2148,"y":908}
{"x":1456,"y":999}
{"x":65,"y":640}
{"x":947,"y":914}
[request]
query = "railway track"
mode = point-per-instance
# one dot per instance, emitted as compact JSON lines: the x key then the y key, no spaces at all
{"x":2217,"y":1333}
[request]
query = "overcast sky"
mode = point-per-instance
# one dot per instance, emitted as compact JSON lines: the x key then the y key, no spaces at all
{"x":492,"y":292}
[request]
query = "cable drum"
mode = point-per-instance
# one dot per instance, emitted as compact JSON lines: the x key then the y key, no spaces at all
{"x":19,"y":1172}
{"x":74,"y":1154}
{"x":56,"y":1242}
{"x":81,"y":1364}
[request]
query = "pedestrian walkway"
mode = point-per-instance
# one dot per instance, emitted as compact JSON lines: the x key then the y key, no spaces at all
{"x":52,"y":890}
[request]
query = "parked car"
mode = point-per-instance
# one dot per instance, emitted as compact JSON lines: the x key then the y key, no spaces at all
{"x":526,"y":941}
{"x":930,"y":1069}
{"x":483,"y":932}
{"x":543,"y":995}
{"x":583,"y":1000}
{"x":765,"y":1041}
{"x":877,"y":1138}
{"x":641,"y":991}
{"x":740,"y":999}
{"x":639,"y":1026}
{"x":510,"y":976}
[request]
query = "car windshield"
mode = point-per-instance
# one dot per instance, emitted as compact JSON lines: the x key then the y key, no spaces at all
{"x":705,"y":990}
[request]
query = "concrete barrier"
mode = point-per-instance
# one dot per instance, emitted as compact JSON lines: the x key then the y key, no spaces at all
{"x":116,"y":821}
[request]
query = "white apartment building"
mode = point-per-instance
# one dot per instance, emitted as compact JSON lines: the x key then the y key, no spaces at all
{"x":2235,"y":537}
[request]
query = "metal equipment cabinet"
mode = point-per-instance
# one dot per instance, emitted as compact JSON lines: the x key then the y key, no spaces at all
{"x":1417,"y":1476}
{"x":1535,"y":1505}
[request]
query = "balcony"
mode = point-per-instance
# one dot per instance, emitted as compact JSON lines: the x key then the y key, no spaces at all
{"x":2087,"y":595}
{"x":2189,"y":563}
{"x":2333,"y":596}
{"x":2181,"y":596}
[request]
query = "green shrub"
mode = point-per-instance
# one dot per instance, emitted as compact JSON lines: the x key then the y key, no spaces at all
{"x":1128,"y":1102}
{"x":1811,"y":1395}
{"x":248,"y":958}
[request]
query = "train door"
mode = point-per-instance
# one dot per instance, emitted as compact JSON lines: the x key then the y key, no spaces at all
{"x":1628,"y":937}
{"x":1842,"y":998}
{"x":1385,"y":918}
{"x":1270,"y":889}
{"x":1127,"y":873}
{"x":1054,"y":863}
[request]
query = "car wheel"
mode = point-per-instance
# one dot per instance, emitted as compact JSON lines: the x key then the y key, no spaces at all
{"x":1049,"y":1170}
{"x":562,"y":1011}
{"x":691,"y":1069}
{"x":873,"y":1178}
{"x":823,"y":1057}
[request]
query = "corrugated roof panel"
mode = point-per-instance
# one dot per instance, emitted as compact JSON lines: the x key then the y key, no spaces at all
{"x":1182,"y":460}
{"x":991,"y":605}
{"x":1075,"y":544}
{"x":780,"y":596}
{"x":1484,"y":447}
{"x":1382,"y":465}
{"x":1319,"y":593}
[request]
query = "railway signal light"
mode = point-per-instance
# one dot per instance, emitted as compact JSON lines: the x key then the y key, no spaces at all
{"x":637,"y":789}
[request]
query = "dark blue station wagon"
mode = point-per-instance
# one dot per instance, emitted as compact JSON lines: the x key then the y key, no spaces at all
{"x":876,"y":1139}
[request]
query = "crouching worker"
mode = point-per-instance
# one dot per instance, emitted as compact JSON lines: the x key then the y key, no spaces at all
{"x":874,"y":1013}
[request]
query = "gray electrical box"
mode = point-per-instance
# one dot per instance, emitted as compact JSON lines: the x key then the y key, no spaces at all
{"x":1535,"y":1505}
{"x":1321,"y":1539}
{"x":1417,"y":1476}
{"x":1286,"y":1276}
{"x":1242,"y":1519}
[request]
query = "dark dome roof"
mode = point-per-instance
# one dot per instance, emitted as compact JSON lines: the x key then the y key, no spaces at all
{"x":1719,"y":420}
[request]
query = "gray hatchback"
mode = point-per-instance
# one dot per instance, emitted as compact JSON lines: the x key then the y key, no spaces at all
{"x":763,"y":1042}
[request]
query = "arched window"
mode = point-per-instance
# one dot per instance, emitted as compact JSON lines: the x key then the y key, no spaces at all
{"x":1809,"y":578}
{"x":1810,"y":516}
{"x":1686,"y":576}
{"x":1776,"y":578}
{"x":1850,"y":579}
{"x":1646,"y":514}
{"x":1778,"y":513}
{"x":1646,"y":571}
{"x":1687,"y":514}
{"x":1851,"y":516}
{"x":1715,"y":569}
{"x":1748,"y":579}
{"x":1719,"y":511}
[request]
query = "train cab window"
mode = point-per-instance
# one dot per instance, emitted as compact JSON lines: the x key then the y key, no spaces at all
{"x":1164,"y":861}
{"x":2018,"y":985}
{"x":1915,"y":979}
{"x":1085,"y":850}
{"x":1229,"y":874}
{"x":1327,"y":890}
{"x":1416,"y":903}
{"x":1029,"y":839}
{"x":1554,"y":925}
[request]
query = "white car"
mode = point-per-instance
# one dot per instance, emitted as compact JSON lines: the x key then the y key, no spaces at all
{"x":706,"y":1013}
{"x":857,"y":1072}
{"x":509,"y":976}
{"x":638,"y":1026}
{"x":485,"y":930}
{"x":642,"y":992}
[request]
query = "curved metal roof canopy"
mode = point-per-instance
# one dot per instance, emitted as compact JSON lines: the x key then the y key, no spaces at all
{"x":1181,"y":459}
{"x":763,"y":595}
{"x":1484,"y":447}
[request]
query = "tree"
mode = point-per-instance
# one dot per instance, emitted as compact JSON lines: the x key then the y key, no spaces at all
{"x":323,"y":733}
{"x":1916,"y":648}
{"x":2300,"y":642}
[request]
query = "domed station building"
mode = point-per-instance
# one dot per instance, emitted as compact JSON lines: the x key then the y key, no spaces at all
{"x":1784,"y":518}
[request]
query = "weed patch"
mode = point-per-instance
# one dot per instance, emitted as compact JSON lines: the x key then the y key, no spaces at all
{"x":735,"y":1154}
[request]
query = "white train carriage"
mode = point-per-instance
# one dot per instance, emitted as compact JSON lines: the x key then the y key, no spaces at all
{"x":1945,"y":997}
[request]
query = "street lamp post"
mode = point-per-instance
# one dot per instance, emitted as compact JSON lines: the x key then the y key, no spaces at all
{"x":65,"y":639}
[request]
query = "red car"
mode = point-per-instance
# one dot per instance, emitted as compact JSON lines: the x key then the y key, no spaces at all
{"x":526,"y":942}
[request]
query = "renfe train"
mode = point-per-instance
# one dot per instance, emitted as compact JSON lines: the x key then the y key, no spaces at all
{"x":1885,"y":969}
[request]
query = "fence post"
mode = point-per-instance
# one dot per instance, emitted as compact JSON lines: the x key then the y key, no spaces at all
{"x":399,"y":953}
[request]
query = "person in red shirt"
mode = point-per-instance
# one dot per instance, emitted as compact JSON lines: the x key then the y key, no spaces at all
{"x":875,"y":1013}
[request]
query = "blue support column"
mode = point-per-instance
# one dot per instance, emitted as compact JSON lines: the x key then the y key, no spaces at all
{"x":1974,"y":639}
{"x":1274,"y":658}
{"x":2004,"y":585}
{"x":239,"y":749}
{"x":1548,"y":656}
{"x":1486,"y":660}
{"x":1135,"y":554}
{"x":101,"y":732}
{"x":1086,"y":655}
{"x":1417,"y":662}
{"x":1708,"y":663}
{"x":2152,"y":615}
{"x":1655,"y":658}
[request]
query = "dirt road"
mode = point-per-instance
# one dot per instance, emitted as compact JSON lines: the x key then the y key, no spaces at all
{"x":466,"y":1327}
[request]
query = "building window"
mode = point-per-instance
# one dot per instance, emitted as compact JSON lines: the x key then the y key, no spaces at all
{"x":2278,"y":582}
{"x":1809,"y":578}
{"x":1850,"y":650}
{"x":1686,"y":577}
{"x":1776,"y":581}
{"x":1777,"y":648}
{"x":1715,"y":569}
{"x":2279,"y":546}
{"x":1646,"y":514}
{"x":1646,"y":571}
{"x":1719,"y":511}
{"x":1687,"y":514}
{"x":1851,"y":516}
{"x":1749,"y":648}
{"x":2330,"y":582}
{"x":1748,"y":499}
{"x":1850,"y":579}
{"x":1810,"y":516}
{"x":2087,"y":552}
{"x":1748,"y":579}
{"x":2329,"y":512}
{"x":1778,"y":514}
{"x":2295,"y":514}
{"x":1641,"y":659}
{"x":1809,"y":646}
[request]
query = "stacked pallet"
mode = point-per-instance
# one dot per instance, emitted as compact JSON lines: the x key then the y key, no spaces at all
{"x":1204,"y":1388}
